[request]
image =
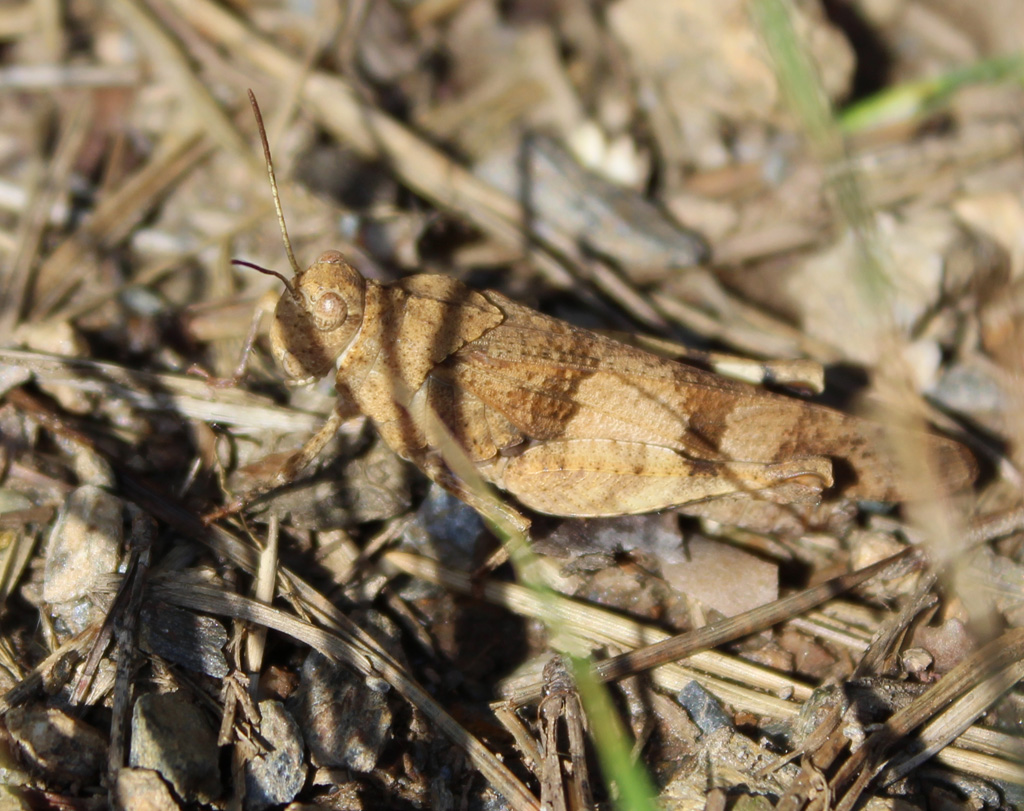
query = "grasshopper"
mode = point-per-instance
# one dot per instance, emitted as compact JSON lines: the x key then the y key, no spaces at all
{"x":569,"y":422}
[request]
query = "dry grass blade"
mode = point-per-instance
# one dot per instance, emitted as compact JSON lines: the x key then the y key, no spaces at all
{"x":805,"y":376}
{"x":999,"y":655}
{"x":125,"y":639}
{"x":949,"y":725}
{"x":18,"y":281}
{"x":605,"y":628}
{"x":117,"y":214}
{"x":204,"y":111}
{"x":742,"y":624}
{"x":368,"y":130}
{"x":181,"y":394}
{"x":660,"y":648}
{"x":70,"y":653}
{"x":50,"y":77}
{"x":725,"y":318}
{"x":263,"y":591}
{"x":18,"y":546}
{"x":370,"y":661}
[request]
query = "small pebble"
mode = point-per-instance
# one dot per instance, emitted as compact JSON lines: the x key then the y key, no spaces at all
{"x":171,"y":735}
{"x":67,"y":750}
{"x":143,"y":790}
{"x":703,"y":708}
{"x":85,"y":543}
{"x":275,"y":777}
{"x":346,"y":722}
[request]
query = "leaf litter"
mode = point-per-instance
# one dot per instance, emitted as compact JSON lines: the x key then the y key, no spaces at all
{"x":674,"y":192}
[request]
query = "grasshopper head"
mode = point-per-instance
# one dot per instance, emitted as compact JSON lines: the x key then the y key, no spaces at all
{"x":317,"y":318}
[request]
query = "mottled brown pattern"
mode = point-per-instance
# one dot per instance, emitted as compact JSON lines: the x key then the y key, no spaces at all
{"x":597,"y":427}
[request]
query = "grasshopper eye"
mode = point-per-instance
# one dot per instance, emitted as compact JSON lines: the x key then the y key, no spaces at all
{"x":329,"y":311}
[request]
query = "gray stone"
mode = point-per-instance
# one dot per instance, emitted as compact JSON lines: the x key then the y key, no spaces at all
{"x":143,"y":790}
{"x":171,"y":735}
{"x":347,"y":723}
{"x":275,"y":777}
{"x":703,"y":708}
{"x":84,"y":547}
{"x":185,"y":638}
{"x":67,"y":750}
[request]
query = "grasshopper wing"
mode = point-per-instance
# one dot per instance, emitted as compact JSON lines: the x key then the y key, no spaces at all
{"x":555,"y":382}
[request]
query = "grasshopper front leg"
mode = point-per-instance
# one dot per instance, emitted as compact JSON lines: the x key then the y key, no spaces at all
{"x":495,"y":511}
{"x":289,"y":471}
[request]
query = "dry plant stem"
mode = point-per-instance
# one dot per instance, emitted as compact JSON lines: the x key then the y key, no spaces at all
{"x":355,"y":17}
{"x":885,"y":643}
{"x":1007,"y":769}
{"x":180,"y":394}
{"x":369,"y":131}
{"x":164,"y":266}
{"x":141,"y":543}
{"x":18,"y":552}
{"x":120,"y":621}
{"x":559,"y":790}
{"x":168,"y":57}
{"x":816,"y":753}
{"x":330,"y":19}
{"x":19,"y":20}
{"x":71,"y":652}
{"x":50,"y":77}
{"x":954,"y":721}
{"x":997,"y":525}
{"x":739,"y":324}
{"x":601,"y":628}
{"x":867,"y":761}
{"x":17,"y":281}
{"x":263,"y":591}
{"x":117,"y":214}
{"x":827,"y":741}
{"x":524,"y":740}
{"x":741,"y":625}
{"x":237,"y":700}
{"x":806,"y":376}
{"x":420,"y":166}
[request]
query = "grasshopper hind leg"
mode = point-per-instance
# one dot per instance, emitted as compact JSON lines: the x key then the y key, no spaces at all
{"x":595,"y":477}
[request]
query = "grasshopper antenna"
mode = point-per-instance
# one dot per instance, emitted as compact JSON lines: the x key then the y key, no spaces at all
{"x":268,"y":271}
{"x":277,"y":197}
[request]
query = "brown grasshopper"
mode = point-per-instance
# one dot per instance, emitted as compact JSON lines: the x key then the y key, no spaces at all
{"x":569,"y":422}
